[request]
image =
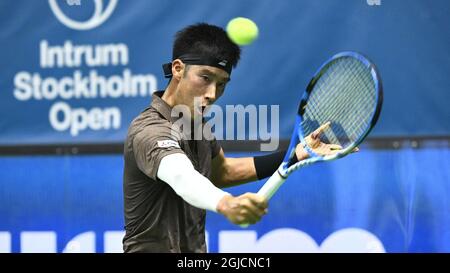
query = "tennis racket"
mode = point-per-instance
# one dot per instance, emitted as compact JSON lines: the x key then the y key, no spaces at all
{"x":341,"y":105}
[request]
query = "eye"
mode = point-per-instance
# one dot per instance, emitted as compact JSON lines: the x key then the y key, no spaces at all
{"x":205,"y":78}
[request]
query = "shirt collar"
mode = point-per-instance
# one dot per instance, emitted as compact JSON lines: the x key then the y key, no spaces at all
{"x":161,"y":106}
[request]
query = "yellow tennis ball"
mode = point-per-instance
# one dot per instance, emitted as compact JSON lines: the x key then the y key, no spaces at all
{"x":242,"y":31}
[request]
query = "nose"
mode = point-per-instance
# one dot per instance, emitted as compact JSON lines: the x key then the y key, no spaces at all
{"x":210,"y":95}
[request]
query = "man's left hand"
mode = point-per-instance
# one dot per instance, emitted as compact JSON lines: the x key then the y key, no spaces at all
{"x":318,"y":147}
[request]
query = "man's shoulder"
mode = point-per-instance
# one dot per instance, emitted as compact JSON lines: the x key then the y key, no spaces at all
{"x":148,"y":118}
{"x":150,"y":123}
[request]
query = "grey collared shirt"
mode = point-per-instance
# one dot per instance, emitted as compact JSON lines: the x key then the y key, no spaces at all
{"x":156,"y":218}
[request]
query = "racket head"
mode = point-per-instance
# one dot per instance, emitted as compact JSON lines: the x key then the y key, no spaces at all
{"x":346,"y":91}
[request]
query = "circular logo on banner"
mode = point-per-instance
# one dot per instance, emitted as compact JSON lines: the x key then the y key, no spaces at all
{"x":100,"y":15}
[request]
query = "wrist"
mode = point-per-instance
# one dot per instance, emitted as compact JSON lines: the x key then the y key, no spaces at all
{"x":223,"y":204}
{"x":266,"y":165}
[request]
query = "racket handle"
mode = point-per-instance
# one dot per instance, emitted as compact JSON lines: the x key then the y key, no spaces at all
{"x":269,"y":188}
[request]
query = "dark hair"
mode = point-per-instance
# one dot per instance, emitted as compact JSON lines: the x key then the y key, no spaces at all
{"x":206,"y":40}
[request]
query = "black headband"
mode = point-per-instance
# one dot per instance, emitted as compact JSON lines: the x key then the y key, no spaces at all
{"x":199,"y":60}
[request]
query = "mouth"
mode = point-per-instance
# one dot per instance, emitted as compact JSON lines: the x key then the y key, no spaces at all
{"x":200,"y":110}
{"x":203,"y":108}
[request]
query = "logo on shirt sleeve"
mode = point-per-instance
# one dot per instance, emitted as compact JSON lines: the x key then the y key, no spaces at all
{"x":168,"y":143}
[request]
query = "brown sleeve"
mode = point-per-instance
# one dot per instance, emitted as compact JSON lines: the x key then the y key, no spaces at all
{"x":151,"y":145}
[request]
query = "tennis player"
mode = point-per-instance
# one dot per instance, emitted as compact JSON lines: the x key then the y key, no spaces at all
{"x":170,"y":181}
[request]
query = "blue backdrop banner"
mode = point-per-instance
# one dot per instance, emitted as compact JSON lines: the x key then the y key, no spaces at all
{"x":78,"y":71}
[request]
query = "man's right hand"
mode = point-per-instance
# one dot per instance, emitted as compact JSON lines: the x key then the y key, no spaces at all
{"x":244,"y":209}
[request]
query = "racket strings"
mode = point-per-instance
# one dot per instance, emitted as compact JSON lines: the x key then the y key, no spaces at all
{"x":344,"y":94}
{"x":352,"y":84}
{"x":358,"y":125}
{"x":340,"y":134}
{"x":332,"y":96}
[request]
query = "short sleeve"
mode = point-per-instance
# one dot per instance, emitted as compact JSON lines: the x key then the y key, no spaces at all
{"x":152,"y":144}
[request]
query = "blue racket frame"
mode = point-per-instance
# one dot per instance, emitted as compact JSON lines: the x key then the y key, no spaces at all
{"x":298,"y":135}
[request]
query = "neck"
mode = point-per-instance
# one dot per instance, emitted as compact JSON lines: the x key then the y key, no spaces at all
{"x":170,"y":93}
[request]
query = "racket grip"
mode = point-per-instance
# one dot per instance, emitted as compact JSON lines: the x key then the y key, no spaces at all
{"x":269,"y":188}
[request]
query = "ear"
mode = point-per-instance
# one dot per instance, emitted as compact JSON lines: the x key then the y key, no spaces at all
{"x":178,"y":69}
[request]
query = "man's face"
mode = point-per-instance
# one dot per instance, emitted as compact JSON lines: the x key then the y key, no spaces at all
{"x":204,"y":83}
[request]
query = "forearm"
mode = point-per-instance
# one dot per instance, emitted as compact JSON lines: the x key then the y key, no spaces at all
{"x":266,"y":165}
{"x":236,"y":171}
{"x":228,"y":171}
{"x":246,"y":169}
{"x":177,"y":171}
